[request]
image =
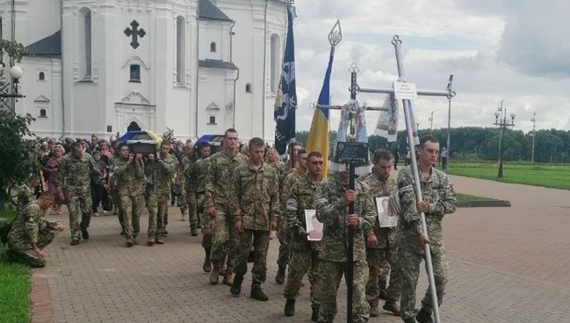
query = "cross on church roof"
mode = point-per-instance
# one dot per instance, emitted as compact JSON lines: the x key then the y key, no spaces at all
{"x":134,"y":32}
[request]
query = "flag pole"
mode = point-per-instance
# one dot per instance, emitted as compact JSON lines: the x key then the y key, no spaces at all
{"x":409,"y":129}
{"x":350,"y":238}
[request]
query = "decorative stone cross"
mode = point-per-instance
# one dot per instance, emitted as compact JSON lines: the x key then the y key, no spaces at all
{"x":135,"y":33}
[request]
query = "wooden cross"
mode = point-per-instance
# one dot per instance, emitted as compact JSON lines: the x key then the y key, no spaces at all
{"x":135,"y":33}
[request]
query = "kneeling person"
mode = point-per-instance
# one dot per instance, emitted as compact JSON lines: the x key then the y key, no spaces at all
{"x":254,"y":205}
{"x":31,"y":232}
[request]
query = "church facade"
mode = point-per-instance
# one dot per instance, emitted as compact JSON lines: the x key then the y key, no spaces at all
{"x":102,"y":66}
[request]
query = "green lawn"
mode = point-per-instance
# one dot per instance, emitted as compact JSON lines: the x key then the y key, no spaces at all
{"x":470,"y":198}
{"x":553,"y":176}
{"x":14,"y":286}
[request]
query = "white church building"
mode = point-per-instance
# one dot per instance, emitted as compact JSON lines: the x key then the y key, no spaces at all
{"x":102,"y":66}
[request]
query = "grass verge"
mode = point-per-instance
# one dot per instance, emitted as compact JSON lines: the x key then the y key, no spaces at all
{"x":536,"y":175}
{"x":470,"y":198}
{"x":15,"y":285}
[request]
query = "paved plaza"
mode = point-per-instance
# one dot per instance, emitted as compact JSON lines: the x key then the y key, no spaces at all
{"x":506,"y":265}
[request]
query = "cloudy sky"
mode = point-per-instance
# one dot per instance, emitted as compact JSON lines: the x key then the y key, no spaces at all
{"x":512,"y":50}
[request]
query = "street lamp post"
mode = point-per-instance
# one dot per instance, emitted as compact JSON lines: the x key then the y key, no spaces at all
{"x":533,"y":135}
{"x":502,"y":122}
{"x":7,"y":90}
{"x":449,"y":97}
{"x":431,"y":124}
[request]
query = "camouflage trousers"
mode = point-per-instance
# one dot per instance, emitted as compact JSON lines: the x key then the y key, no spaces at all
{"x":409,"y":265}
{"x":284,"y":251}
{"x":192,"y":205}
{"x":206,"y":229}
{"x":79,"y":200}
{"x":117,"y":209}
{"x":223,"y":240}
{"x":329,"y":275}
{"x":182,"y":200}
{"x":300,"y":263}
{"x":260,"y":240}
{"x":157,"y":206}
{"x":132,"y":207}
{"x":378,"y":261}
{"x":24,"y":253}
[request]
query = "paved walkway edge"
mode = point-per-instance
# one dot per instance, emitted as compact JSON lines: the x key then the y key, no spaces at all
{"x":42,"y":311}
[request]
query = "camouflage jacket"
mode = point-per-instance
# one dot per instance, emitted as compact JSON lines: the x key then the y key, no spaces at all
{"x":380,"y":187}
{"x":301,"y":198}
{"x":282,"y":169}
{"x":190,"y":176}
{"x":128,"y":177}
{"x":332,"y":212}
{"x":76,"y":173}
{"x":201,"y":168}
{"x":27,"y":225}
{"x":289,"y":180}
{"x":159,"y":173}
{"x":438,"y":193}
{"x":219,"y":184}
{"x":26,"y":195}
{"x":255,"y":199}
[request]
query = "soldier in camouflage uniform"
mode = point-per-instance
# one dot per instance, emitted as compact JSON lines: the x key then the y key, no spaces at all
{"x":254,"y":206}
{"x":219,"y":188}
{"x":438,"y":200}
{"x":76,"y":170}
{"x":300,"y":199}
{"x":382,"y":185}
{"x":129,"y":176}
{"x":188,"y":157}
{"x":31,"y":232}
{"x":26,"y":193}
{"x":159,"y":172}
{"x":331,"y":204}
{"x":201,"y":170}
{"x":189,"y":166}
{"x":291,"y":177}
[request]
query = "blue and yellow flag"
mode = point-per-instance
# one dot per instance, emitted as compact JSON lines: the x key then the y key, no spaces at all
{"x":284,"y":114}
{"x":318,"y":139}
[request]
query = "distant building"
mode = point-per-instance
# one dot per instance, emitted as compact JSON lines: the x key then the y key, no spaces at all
{"x":102,"y":66}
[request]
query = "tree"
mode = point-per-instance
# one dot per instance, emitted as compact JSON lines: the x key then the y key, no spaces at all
{"x":18,"y":158}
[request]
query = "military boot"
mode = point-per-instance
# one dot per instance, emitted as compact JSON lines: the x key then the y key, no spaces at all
{"x":392,"y":306}
{"x":280,"y":277}
{"x":424,"y":316}
{"x":289,"y":307}
{"x":207,"y":266}
{"x":214,"y":276}
{"x":236,"y":286}
{"x":129,"y":242}
{"x":315,"y":313}
{"x":222,"y":270}
{"x":228,"y":278}
{"x":151,"y":241}
{"x":383,"y":290}
{"x":159,"y":240}
{"x":258,"y":294}
{"x":374,"y":309}
{"x":84,"y":233}
{"x":193,"y":232}
{"x":74,"y":241}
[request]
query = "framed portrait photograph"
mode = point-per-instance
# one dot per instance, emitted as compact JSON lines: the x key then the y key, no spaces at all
{"x":385,"y":219}
{"x":314,"y":227}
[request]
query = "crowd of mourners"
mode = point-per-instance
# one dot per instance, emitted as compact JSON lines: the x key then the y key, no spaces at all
{"x":237,"y":196}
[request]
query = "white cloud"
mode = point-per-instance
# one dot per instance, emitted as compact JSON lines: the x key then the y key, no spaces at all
{"x":496,"y":50}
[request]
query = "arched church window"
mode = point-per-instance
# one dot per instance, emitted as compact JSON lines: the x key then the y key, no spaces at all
{"x":135,"y":75}
{"x":43,"y":113}
{"x":248,"y":88}
{"x":87,"y":42}
{"x":212,"y":120}
{"x":275,"y":62}
{"x":180,"y":49}
{"x":213,"y":47}
{"x":41,"y":76}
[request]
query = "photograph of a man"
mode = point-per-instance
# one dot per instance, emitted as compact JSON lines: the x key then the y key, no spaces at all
{"x":314,"y":227}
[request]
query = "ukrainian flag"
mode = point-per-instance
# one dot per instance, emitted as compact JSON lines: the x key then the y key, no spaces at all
{"x":318,"y":139}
